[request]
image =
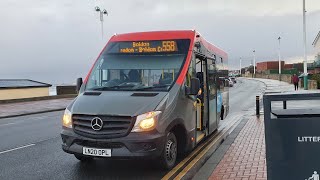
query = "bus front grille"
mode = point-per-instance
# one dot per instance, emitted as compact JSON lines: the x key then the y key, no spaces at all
{"x":113,"y":126}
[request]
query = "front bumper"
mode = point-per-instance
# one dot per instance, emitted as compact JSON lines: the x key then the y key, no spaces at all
{"x":135,"y":145}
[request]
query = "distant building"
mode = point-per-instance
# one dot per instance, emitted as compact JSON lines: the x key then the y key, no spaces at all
{"x":22,"y":88}
{"x":269,"y":65}
{"x":288,"y":66}
{"x":298,"y":66}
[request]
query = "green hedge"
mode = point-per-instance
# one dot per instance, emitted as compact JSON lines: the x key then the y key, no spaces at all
{"x":317,"y":78}
{"x":283,"y":71}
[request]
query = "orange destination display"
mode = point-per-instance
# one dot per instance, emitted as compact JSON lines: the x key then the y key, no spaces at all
{"x":148,"y":47}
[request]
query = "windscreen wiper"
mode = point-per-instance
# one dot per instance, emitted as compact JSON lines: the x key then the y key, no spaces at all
{"x":103,"y":88}
{"x":151,"y":87}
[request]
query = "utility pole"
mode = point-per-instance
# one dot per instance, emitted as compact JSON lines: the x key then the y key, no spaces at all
{"x":254,"y":63}
{"x":240,"y":66}
{"x":279,"y":56}
{"x":305,"y":70}
{"x":103,"y":12}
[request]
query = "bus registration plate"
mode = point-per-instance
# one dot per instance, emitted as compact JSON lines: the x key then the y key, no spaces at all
{"x":96,"y":152}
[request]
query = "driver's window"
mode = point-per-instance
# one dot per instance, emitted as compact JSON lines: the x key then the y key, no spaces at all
{"x":105,"y":75}
{"x":96,"y":78}
{"x":101,"y":76}
{"x":98,"y":74}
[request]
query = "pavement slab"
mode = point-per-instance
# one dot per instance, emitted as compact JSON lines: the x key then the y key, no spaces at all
{"x":242,"y":155}
{"x":245,"y":158}
{"x":275,"y":86}
{"x":33,"y":107}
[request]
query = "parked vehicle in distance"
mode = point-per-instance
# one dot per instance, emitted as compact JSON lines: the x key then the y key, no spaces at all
{"x":230,"y":82}
{"x":233,"y":79}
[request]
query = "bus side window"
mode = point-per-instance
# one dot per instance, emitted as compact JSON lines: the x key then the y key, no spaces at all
{"x":221,"y":83}
{"x":226,"y":83}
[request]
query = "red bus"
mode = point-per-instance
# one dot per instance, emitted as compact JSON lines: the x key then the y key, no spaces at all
{"x":148,"y":95}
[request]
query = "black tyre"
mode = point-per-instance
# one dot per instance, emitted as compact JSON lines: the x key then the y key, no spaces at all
{"x":170,"y":152}
{"x":83,"y":158}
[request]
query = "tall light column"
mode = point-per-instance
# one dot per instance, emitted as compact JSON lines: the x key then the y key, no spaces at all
{"x":103,"y":12}
{"x":240,"y":66}
{"x":305,"y":70}
{"x":254,"y":62}
{"x":279,"y":55}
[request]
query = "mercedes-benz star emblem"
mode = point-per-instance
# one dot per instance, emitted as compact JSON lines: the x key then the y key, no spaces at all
{"x":96,"y":124}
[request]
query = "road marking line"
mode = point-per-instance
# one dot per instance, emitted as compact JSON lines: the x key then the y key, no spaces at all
{"x":183,"y":162}
{"x":29,"y":120}
{"x":206,"y":149}
{"x":2,"y":152}
{"x":197,"y":150}
{"x":196,"y":159}
{"x":8,"y":124}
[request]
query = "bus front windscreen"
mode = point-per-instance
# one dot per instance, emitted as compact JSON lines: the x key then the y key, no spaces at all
{"x":139,"y":66}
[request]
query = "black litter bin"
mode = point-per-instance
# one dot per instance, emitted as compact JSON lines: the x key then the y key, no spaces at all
{"x":292,"y":138}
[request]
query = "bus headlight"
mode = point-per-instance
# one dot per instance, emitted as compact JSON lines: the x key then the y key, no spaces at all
{"x":146,"y":122}
{"x":66,"y":119}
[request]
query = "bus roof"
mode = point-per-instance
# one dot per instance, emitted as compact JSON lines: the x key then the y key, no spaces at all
{"x":214,"y":48}
{"x":162,"y":35}
{"x":154,"y":35}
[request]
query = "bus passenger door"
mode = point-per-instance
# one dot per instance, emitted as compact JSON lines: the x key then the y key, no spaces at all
{"x":202,"y":103}
{"x":212,"y":98}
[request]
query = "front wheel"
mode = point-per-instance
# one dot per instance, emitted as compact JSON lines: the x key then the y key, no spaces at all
{"x":169,"y":156}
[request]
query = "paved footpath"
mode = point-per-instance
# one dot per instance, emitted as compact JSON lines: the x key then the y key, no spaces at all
{"x":242,"y":155}
{"x":33,"y":107}
{"x":245,"y":158}
{"x":275,"y":86}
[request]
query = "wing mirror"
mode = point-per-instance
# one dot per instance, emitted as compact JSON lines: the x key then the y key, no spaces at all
{"x":79,"y":84}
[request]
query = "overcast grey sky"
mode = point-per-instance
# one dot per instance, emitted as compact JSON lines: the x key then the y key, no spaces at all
{"x":57,"y":41}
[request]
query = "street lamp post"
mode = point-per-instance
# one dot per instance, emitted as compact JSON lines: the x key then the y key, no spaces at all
{"x":240,"y":66}
{"x":279,"y":57}
{"x":251,"y":64}
{"x":254,"y":63}
{"x":103,"y":12}
{"x":305,"y":70}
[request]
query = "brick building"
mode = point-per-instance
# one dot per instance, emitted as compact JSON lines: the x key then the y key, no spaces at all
{"x":288,"y":66}
{"x":269,"y":65}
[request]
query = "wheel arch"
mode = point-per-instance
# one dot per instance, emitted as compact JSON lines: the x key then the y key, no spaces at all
{"x":177,"y":127}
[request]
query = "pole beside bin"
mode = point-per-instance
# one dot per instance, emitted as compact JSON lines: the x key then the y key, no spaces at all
{"x":257,"y":105}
